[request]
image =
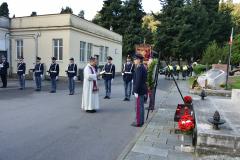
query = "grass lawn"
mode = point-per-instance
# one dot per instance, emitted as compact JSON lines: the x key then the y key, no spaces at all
{"x":234,"y":82}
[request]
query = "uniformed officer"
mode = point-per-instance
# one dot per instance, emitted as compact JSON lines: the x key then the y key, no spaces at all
{"x":4,"y":65}
{"x":184,"y":71}
{"x":38,"y":73}
{"x":108,"y":73}
{"x":177,"y":71}
{"x":72,"y":76}
{"x":127,"y":73}
{"x":139,"y":89}
{"x":21,"y":69}
{"x":170,"y":71}
{"x":54,"y":72}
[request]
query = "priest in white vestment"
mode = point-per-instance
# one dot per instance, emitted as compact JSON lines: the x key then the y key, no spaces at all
{"x":90,"y":94}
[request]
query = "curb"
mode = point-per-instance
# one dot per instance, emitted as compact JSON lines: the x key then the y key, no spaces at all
{"x":131,"y":144}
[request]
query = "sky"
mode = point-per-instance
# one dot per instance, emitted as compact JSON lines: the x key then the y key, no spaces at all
{"x":25,"y":7}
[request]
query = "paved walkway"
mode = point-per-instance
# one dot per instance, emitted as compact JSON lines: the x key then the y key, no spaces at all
{"x":158,"y":141}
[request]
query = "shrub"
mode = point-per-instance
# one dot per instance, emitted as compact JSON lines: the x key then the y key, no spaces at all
{"x":198,"y":69}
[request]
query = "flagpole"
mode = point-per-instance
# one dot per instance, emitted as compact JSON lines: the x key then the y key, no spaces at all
{"x":229,"y":59}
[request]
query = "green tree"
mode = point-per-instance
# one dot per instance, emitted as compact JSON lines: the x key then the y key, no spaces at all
{"x":169,"y":27}
{"x":33,"y":13}
{"x":110,"y":16}
{"x":214,"y":53}
{"x":133,"y":18}
{"x":81,"y":14}
{"x":235,"y":59}
{"x":66,"y":10}
{"x":194,"y":33}
{"x":4,"y":11}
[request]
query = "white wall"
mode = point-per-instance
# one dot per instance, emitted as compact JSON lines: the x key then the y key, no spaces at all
{"x":77,"y":36}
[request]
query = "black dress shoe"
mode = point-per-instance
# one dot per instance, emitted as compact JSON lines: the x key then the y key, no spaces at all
{"x":52,"y":91}
{"x":134,"y":124}
{"x":3,"y":87}
{"x":91,"y":111}
{"x":105,"y":97}
{"x":108,"y":97}
{"x":125,"y":99}
{"x":128,"y":99}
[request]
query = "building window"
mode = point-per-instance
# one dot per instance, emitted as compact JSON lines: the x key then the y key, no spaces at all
{"x":101,"y":54}
{"x":89,"y":50}
{"x":58,"y":49}
{"x":82,"y":51}
{"x":19,"y":45}
{"x":106,"y":53}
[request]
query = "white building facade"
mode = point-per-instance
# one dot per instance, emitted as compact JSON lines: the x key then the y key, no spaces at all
{"x":4,"y":31}
{"x":62,"y":36}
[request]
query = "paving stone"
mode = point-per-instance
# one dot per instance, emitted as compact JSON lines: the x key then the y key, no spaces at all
{"x":173,"y":155}
{"x":145,"y":143}
{"x":150,"y":150}
{"x":157,"y":158}
{"x":137,"y":156}
{"x":163,"y":146}
{"x":162,"y":140}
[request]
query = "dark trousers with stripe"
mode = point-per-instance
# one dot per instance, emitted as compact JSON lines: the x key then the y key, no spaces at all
{"x":21,"y":80}
{"x":4,"y":79}
{"x":71,"y":85}
{"x":139,"y":108}
{"x":38,"y":80}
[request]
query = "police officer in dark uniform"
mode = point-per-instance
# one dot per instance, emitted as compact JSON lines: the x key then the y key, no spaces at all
{"x":4,"y":65}
{"x":54,"y":72}
{"x":127,"y":73}
{"x":21,"y":69}
{"x":139,"y":89}
{"x":38,"y":73}
{"x":108,"y":76}
{"x":72,"y":76}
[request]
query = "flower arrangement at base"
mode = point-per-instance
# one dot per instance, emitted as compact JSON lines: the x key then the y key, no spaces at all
{"x":186,"y":122}
{"x":187,"y":100}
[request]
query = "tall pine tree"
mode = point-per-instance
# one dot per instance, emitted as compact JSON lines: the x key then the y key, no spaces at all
{"x":4,"y":11}
{"x":133,"y":18}
{"x":110,"y":16}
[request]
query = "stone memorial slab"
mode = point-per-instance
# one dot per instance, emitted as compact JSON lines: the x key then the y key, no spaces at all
{"x":226,"y":140}
{"x":214,"y":78}
{"x":236,"y":96}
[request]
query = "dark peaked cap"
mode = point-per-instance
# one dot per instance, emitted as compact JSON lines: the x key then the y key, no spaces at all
{"x":109,"y":58}
{"x":138,"y":56}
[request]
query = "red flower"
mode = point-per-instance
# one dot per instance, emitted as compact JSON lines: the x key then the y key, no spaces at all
{"x":186,"y":122}
{"x":188,"y":99}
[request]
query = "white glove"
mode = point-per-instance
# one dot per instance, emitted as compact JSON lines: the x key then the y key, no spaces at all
{"x":136,"y":95}
{"x":112,"y":80}
{"x":41,"y":76}
{"x":122,"y":74}
{"x":132,"y":81}
{"x":56,"y":77}
{"x":75,"y":78}
{"x":23,"y":75}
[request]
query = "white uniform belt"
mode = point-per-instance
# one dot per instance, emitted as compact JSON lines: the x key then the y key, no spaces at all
{"x":38,"y":71}
{"x":53,"y":71}
{"x":128,"y":72}
{"x":108,"y":73}
{"x":71,"y":71}
{"x":20,"y":70}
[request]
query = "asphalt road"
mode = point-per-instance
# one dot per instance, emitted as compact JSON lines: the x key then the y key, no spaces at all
{"x":44,"y":126}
